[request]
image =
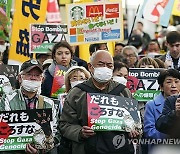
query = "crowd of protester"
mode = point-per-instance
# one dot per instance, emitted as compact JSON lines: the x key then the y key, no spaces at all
{"x":105,"y":74}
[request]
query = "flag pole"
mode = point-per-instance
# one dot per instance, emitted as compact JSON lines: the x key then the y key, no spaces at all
{"x":133,"y":24}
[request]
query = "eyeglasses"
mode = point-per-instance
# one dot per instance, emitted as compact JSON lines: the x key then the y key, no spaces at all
{"x":130,"y":55}
{"x":77,"y":79}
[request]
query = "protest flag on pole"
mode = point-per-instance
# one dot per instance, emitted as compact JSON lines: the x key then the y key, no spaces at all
{"x":157,"y":11}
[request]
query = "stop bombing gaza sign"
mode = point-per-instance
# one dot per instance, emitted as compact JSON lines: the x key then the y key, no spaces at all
{"x":112,"y":113}
{"x":142,"y":82}
{"x":44,"y":36}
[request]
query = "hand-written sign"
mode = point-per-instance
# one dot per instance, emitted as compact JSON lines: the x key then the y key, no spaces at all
{"x":109,"y":112}
{"x":143,"y":83}
{"x":18,"y":127}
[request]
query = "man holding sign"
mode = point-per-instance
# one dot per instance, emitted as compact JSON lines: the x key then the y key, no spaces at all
{"x":74,"y":122}
{"x":27,"y":99}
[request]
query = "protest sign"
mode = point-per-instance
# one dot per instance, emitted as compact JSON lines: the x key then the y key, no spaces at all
{"x":8,"y":74}
{"x":44,"y":36}
{"x":58,"y":85}
{"x":17,"y":128}
{"x":95,"y":22}
{"x":142,"y":82}
{"x":110,"y":112}
{"x":26,"y":12}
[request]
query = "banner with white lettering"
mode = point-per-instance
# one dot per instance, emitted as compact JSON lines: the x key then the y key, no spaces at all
{"x":44,"y":36}
{"x":142,"y":82}
{"x":95,"y":22}
{"x":110,"y":112}
{"x":17,"y":128}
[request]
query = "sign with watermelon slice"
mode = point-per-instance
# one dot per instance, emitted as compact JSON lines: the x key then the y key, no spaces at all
{"x":112,"y":113}
{"x":58,"y":86}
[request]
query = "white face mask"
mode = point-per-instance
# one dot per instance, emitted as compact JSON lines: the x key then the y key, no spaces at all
{"x":31,"y":85}
{"x":7,"y":88}
{"x":120,"y":79}
{"x":74,"y":83}
{"x":102,"y":74}
{"x":152,"y":54}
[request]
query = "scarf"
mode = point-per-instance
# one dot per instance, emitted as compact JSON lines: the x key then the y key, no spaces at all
{"x":168,"y":57}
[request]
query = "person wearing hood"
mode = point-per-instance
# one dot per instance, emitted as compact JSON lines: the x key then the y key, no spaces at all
{"x":62,"y":55}
{"x":74,"y":121}
{"x":74,"y":76}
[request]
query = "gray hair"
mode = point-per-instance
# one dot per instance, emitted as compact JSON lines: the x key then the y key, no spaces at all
{"x":95,"y":53}
{"x":130,"y":47}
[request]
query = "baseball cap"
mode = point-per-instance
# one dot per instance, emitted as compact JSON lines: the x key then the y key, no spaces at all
{"x":38,"y":55}
{"x":30,"y":64}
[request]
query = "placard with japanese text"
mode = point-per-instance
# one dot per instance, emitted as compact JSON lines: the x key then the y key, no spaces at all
{"x":110,"y":112}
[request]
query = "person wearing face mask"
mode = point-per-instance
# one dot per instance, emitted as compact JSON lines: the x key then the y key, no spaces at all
{"x":153,"y":49}
{"x":120,"y":72}
{"x":73,"y":120}
{"x":27,"y":98}
{"x":74,"y":76}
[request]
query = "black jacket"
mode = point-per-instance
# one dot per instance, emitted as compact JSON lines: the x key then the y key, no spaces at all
{"x":168,"y":122}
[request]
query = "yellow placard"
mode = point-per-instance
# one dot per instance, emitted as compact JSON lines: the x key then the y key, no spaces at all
{"x":176,"y":8}
{"x":26,"y":12}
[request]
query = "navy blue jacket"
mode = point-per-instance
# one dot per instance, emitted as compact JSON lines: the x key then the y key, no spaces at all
{"x":168,"y":122}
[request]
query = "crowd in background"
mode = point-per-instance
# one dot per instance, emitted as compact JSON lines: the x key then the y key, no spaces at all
{"x":140,"y":52}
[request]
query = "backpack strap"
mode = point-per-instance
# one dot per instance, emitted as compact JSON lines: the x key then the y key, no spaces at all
{"x":87,"y":88}
{"x":116,"y":91}
{"x":40,"y":102}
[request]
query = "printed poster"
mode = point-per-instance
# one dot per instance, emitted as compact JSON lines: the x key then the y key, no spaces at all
{"x":95,"y":22}
{"x":110,"y":112}
{"x":58,"y":86}
{"x":142,"y":83}
{"x":157,"y":11}
{"x":17,"y":128}
{"x":44,"y":36}
{"x":8,"y":76}
{"x":26,"y":12}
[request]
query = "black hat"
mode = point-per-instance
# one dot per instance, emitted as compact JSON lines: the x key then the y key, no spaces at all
{"x":135,"y":40}
{"x":30,"y":64}
{"x":38,"y":55}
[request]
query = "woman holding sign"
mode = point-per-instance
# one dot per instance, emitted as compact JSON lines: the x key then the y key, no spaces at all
{"x":62,"y":55}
